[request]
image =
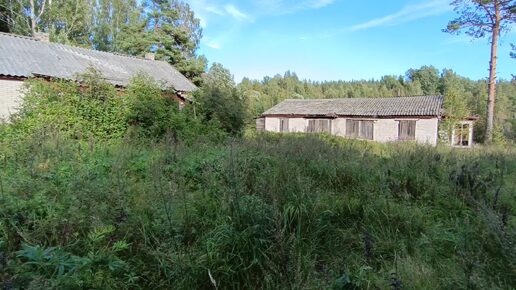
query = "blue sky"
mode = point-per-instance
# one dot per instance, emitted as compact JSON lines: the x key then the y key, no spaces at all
{"x":340,"y":39}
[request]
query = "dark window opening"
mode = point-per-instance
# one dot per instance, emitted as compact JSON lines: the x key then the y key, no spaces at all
{"x":360,"y":129}
{"x":461,"y":137}
{"x":407,"y":130}
{"x":283,"y":125}
{"x":318,"y":126}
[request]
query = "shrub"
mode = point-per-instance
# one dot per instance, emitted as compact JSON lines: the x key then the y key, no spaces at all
{"x":219,"y":100}
{"x":93,"y":109}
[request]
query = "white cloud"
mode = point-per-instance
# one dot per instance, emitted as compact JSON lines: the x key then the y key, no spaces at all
{"x":235,"y":13}
{"x":319,"y":3}
{"x":213,"y":45}
{"x":407,"y":14}
{"x":206,"y":10}
{"x":214,"y":10}
{"x":279,"y":7}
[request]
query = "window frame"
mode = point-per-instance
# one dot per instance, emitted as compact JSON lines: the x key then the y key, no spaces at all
{"x":359,"y":133}
{"x":362,"y":132}
{"x":282,"y":127}
{"x":314,"y":128}
{"x":351,"y":125}
{"x":464,"y":130}
{"x":408,"y":137}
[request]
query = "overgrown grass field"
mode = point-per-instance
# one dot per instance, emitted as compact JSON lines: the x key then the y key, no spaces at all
{"x":261,"y":212}
{"x":102,"y":189}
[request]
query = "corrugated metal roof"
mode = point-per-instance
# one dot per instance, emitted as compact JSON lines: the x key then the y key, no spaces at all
{"x":372,"y":107}
{"x":25,"y":57}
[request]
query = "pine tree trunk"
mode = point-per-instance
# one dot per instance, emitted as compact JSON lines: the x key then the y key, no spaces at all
{"x":492,"y":77}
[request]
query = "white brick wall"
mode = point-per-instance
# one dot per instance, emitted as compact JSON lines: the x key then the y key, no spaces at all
{"x":385,"y":130}
{"x":297,"y":125}
{"x":427,"y":131}
{"x":294,"y":124}
{"x":338,"y":127}
{"x":272,"y":124}
{"x":10,"y":97}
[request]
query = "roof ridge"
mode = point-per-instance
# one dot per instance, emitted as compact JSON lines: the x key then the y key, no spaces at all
{"x":364,"y":98}
{"x":19,"y":36}
{"x":427,"y":105}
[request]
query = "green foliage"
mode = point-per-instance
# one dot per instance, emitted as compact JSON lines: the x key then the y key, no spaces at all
{"x":148,"y":108}
{"x":92,"y":110}
{"x":170,"y":30}
{"x":111,"y":18}
{"x":96,"y":110}
{"x":55,"y":268}
{"x":220,"y":101}
{"x":274,"y":212}
{"x":477,"y":18}
{"x":154,"y":115}
{"x":4,"y":15}
{"x":428,"y":77}
{"x":493,"y":18}
{"x":455,"y":106}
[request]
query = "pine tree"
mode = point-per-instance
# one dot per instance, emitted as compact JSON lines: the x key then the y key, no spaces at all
{"x":480,"y":18}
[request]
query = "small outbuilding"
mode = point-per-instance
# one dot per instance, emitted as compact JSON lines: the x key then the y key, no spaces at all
{"x":396,"y":119}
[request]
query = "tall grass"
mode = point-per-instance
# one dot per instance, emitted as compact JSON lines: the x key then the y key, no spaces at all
{"x":264,"y":212}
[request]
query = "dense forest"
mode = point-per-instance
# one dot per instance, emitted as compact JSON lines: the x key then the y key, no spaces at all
{"x":120,"y":189}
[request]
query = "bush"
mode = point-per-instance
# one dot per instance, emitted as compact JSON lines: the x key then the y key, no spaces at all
{"x":147,"y":108}
{"x":91,"y":110}
{"x":219,"y":100}
{"x":95,"y":110}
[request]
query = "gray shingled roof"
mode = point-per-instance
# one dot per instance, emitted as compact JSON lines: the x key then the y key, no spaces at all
{"x":372,"y":107}
{"x":26,"y":57}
